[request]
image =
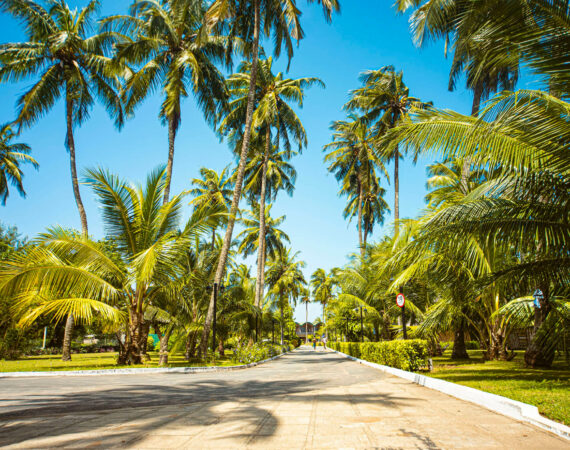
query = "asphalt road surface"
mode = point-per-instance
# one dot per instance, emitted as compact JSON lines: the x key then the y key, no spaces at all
{"x":305,"y":399}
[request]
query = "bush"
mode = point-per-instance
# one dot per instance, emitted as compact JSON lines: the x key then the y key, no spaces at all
{"x":150,"y":344}
{"x":406,"y":355}
{"x":246,"y":354}
{"x":15,"y":344}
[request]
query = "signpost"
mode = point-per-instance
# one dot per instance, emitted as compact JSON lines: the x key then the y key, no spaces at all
{"x":401,"y":302}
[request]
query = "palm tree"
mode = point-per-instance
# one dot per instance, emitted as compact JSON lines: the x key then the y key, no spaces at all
{"x":69,"y":274}
{"x":212,"y":189}
{"x":11,"y":156}
{"x":286,"y":280}
{"x":274,"y":236}
{"x":384,"y":99}
{"x":283,"y":21}
{"x":166,"y":40}
{"x":272,"y":111}
{"x":306,"y":299}
{"x":526,"y":134}
{"x":353,"y":160}
{"x":69,"y":63}
{"x":323,"y":285}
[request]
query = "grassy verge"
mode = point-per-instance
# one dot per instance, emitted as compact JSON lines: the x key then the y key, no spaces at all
{"x":97,"y":361}
{"x":547,"y":389}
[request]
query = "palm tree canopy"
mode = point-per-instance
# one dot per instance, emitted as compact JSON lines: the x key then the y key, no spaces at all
{"x":65,"y":57}
{"x":275,"y":238}
{"x":11,"y":157}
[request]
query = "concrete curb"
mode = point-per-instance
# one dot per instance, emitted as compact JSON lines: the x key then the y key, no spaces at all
{"x":81,"y":373}
{"x":502,"y":405}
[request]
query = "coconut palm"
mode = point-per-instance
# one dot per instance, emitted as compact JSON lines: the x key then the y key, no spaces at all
{"x":280,"y":21}
{"x":11,"y":157}
{"x":165,"y":39}
{"x":267,"y":170}
{"x":274,"y":236}
{"x":68,"y":62}
{"x":384,"y":99}
{"x":351,"y":157}
{"x":212,"y":189}
{"x":69,"y":274}
{"x":285,"y":279}
{"x":323,"y":285}
{"x":526,"y":134}
{"x":306,"y":299}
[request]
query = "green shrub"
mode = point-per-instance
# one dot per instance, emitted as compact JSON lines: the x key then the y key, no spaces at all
{"x":406,"y":355}
{"x":15,"y":344}
{"x":245,"y":354}
{"x":150,"y":344}
{"x":469,"y":345}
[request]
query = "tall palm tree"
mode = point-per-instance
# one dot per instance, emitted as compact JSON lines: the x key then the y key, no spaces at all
{"x":306,"y":299}
{"x":273,"y":118}
{"x":286,"y":280}
{"x":165,"y":39}
{"x":68,"y":62}
{"x":282,"y":20}
{"x":352,"y":158}
{"x":384,"y":99}
{"x":11,"y":157}
{"x":212,"y":189}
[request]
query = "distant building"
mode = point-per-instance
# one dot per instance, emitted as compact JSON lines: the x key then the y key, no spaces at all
{"x":302,"y":330}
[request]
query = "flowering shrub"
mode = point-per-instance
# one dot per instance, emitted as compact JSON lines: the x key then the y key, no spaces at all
{"x":245,"y":354}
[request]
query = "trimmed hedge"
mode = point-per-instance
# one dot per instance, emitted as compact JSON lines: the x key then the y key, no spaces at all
{"x":245,"y":354}
{"x":406,"y":355}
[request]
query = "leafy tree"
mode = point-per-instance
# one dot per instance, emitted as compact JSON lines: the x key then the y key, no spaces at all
{"x":167,"y":41}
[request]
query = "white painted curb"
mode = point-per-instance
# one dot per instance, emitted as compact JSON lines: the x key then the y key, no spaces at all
{"x":81,"y":373}
{"x":502,"y":405}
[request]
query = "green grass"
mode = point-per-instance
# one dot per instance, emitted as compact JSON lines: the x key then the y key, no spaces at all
{"x":547,"y":389}
{"x":96,"y":361}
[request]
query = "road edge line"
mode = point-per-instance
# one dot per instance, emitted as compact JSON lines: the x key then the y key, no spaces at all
{"x":127,"y":371}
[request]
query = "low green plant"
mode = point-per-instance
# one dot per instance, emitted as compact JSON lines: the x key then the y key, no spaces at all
{"x":406,"y":355}
{"x":150,"y":344}
{"x":246,"y":354}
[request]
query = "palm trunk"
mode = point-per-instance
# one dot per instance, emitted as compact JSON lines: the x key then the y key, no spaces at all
{"x":459,"y":349}
{"x":171,"y":138}
{"x":360,"y":195}
{"x":145,"y":327}
{"x":466,"y":168}
{"x":163,"y":354}
{"x":213,"y":237}
{"x":66,"y":351}
{"x":239,"y":179}
{"x":396,"y":191}
{"x":536,"y":355}
{"x":261,"y":243}
{"x":281,"y":308}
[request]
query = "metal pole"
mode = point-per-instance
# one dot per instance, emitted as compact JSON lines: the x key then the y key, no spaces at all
{"x":214,"y":321}
{"x":361,"y":327}
{"x":404,"y":317}
{"x":45,"y":335}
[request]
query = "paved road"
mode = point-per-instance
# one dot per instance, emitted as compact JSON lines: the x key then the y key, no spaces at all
{"x":304,"y":400}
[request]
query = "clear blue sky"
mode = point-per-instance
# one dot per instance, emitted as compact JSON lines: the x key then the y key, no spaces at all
{"x":367,"y":35}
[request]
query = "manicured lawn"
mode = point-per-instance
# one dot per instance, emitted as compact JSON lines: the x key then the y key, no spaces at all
{"x":95,"y":361}
{"x":547,"y":389}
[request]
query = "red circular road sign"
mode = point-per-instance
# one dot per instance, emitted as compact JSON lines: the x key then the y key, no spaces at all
{"x":400,"y":300}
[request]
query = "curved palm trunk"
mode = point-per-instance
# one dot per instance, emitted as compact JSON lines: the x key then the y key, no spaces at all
{"x":239,"y":178}
{"x":459,"y":349}
{"x":66,"y":351}
{"x":261,"y":243}
{"x":360,"y":195}
{"x":171,"y":138}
